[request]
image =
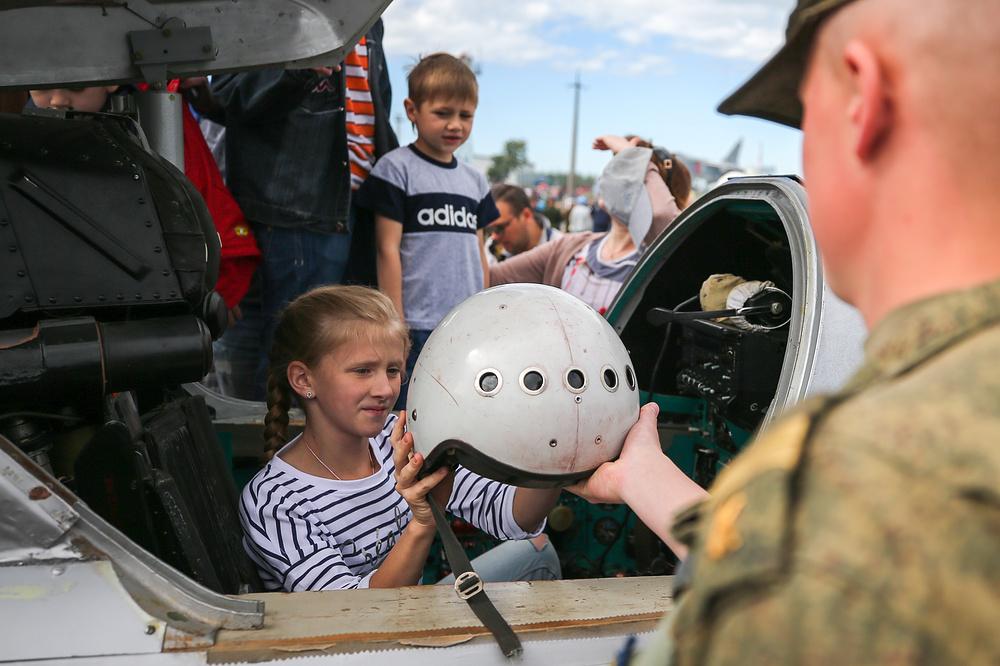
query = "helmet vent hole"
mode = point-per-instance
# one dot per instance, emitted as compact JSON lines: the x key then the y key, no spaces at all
{"x":629,"y":378}
{"x":576,"y":381}
{"x":553,"y":443}
{"x":413,"y":415}
{"x":488,"y":382}
{"x":532,"y":381}
{"x":610,"y":378}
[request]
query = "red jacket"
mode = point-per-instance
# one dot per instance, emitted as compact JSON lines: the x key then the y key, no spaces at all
{"x":240,"y":255}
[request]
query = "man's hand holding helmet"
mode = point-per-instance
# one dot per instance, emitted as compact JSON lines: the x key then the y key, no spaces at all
{"x":645,"y":479}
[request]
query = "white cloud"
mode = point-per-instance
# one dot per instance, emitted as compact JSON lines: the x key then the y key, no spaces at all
{"x":550,"y":30}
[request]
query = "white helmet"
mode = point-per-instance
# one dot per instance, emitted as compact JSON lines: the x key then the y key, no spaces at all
{"x":524,"y":384}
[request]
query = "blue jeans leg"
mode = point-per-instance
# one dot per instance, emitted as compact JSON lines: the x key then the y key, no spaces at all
{"x":418,"y":339}
{"x":237,"y":353}
{"x":513,"y":561}
{"x":294,"y":261}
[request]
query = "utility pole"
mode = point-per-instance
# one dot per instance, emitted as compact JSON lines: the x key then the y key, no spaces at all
{"x":571,"y":178}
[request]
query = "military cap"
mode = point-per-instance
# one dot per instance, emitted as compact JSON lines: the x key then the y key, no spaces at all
{"x":773,"y":92}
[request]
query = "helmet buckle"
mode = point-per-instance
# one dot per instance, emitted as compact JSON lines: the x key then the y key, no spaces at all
{"x":468,"y":585}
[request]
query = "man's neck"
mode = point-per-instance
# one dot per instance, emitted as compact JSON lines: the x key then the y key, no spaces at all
{"x":948,"y":244}
{"x":534,"y":234}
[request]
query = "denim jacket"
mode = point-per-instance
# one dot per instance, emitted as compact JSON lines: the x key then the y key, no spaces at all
{"x":286,"y":143}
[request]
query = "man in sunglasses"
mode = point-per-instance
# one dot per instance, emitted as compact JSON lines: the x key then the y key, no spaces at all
{"x":519,"y":228}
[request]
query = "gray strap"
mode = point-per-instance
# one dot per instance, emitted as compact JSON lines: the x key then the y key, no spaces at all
{"x":469,"y":586}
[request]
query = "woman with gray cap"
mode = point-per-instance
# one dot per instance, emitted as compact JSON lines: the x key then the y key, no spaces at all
{"x":643,"y":189}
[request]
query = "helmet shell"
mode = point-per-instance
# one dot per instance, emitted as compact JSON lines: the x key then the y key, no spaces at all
{"x":525,"y":384}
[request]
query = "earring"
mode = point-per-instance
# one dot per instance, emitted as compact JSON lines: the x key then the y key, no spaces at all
{"x":310,"y":395}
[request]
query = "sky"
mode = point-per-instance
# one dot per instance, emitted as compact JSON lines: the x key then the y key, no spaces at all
{"x":656,"y":68}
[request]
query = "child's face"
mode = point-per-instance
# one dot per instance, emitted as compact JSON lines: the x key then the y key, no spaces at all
{"x":442,"y":125}
{"x":73,"y":99}
{"x":357,"y":384}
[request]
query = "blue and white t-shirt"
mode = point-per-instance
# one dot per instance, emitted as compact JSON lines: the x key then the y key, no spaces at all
{"x":307,"y":532}
{"x":440,"y":205}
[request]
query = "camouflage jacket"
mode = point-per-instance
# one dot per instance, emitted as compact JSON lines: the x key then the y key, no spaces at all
{"x":862,"y":528}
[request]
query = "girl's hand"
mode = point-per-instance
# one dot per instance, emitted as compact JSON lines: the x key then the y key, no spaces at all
{"x":614,"y":143}
{"x":408,"y":465}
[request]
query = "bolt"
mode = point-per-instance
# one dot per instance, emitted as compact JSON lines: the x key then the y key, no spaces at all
{"x":598,"y":440}
{"x":12,"y":247}
{"x":21,"y":273}
{"x":157,"y":249}
{"x":553,"y":443}
{"x":150,"y":630}
{"x":58,"y":570}
{"x":78,"y":299}
{"x":52,"y":299}
{"x":29,"y":298}
{"x":39,"y":493}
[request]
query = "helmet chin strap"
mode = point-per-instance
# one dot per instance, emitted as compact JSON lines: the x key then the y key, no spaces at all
{"x":469,"y":586}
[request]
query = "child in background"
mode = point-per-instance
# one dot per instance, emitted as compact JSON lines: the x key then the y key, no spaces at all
{"x":340,"y":506}
{"x":643,"y":189}
{"x":430,"y":209}
{"x":239,"y":256}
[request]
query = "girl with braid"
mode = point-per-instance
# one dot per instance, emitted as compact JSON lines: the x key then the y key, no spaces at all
{"x":340,"y":506}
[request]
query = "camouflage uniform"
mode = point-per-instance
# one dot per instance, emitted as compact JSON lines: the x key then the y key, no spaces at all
{"x":863,"y":528}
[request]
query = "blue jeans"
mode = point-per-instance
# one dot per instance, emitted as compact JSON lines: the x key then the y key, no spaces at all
{"x":513,"y":561}
{"x":418,"y":338}
{"x":293,"y":262}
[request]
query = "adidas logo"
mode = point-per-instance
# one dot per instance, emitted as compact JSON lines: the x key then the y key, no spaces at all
{"x":447,"y":217}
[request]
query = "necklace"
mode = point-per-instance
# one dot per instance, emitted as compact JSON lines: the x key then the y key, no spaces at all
{"x":371,"y":459}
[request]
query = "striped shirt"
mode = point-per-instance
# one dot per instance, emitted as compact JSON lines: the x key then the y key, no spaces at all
{"x":594,"y":281}
{"x":360,"y":114}
{"x":307,"y":532}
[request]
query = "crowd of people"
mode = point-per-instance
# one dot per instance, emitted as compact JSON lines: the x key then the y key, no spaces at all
{"x":861,"y":528}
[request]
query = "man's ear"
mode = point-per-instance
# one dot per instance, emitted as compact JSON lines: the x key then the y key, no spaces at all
{"x":870,"y":106}
{"x":111,"y":89}
{"x":299,"y":378}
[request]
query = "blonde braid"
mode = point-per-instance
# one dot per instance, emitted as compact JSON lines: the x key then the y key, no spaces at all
{"x":279,"y":401}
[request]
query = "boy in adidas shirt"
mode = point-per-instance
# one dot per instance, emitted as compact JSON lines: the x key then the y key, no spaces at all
{"x":430,"y":209}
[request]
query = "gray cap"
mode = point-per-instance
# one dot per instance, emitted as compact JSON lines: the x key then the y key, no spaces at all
{"x":773,"y":92}
{"x":623,"y":189}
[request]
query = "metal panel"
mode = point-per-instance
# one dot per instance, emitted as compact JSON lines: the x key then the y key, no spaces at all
{"x":43,"y":46}
{"x":72,"y":609}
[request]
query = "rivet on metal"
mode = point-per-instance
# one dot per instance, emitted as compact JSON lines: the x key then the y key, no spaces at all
{"x":39,"y":493}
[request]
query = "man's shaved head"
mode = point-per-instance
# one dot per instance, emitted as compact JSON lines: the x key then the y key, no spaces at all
{"x":901,"y":148}
{"x":941,"y":58}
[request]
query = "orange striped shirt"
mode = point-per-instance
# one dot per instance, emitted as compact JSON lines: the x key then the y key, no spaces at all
{"x":360,"y":111}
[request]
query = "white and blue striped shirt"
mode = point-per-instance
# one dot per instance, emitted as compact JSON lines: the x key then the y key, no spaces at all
{"x":306,"y":532}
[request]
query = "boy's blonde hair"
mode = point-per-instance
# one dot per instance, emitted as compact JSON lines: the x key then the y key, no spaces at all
{"x":442,"y":76}
{"x":314,"y":325}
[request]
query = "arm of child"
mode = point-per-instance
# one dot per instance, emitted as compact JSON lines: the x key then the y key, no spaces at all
{"x":532,"y":505}
{"x":481,"y":236}
{"x":389,"y":264}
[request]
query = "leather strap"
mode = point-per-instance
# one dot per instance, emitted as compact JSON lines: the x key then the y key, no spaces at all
{"x":469,"y":586}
